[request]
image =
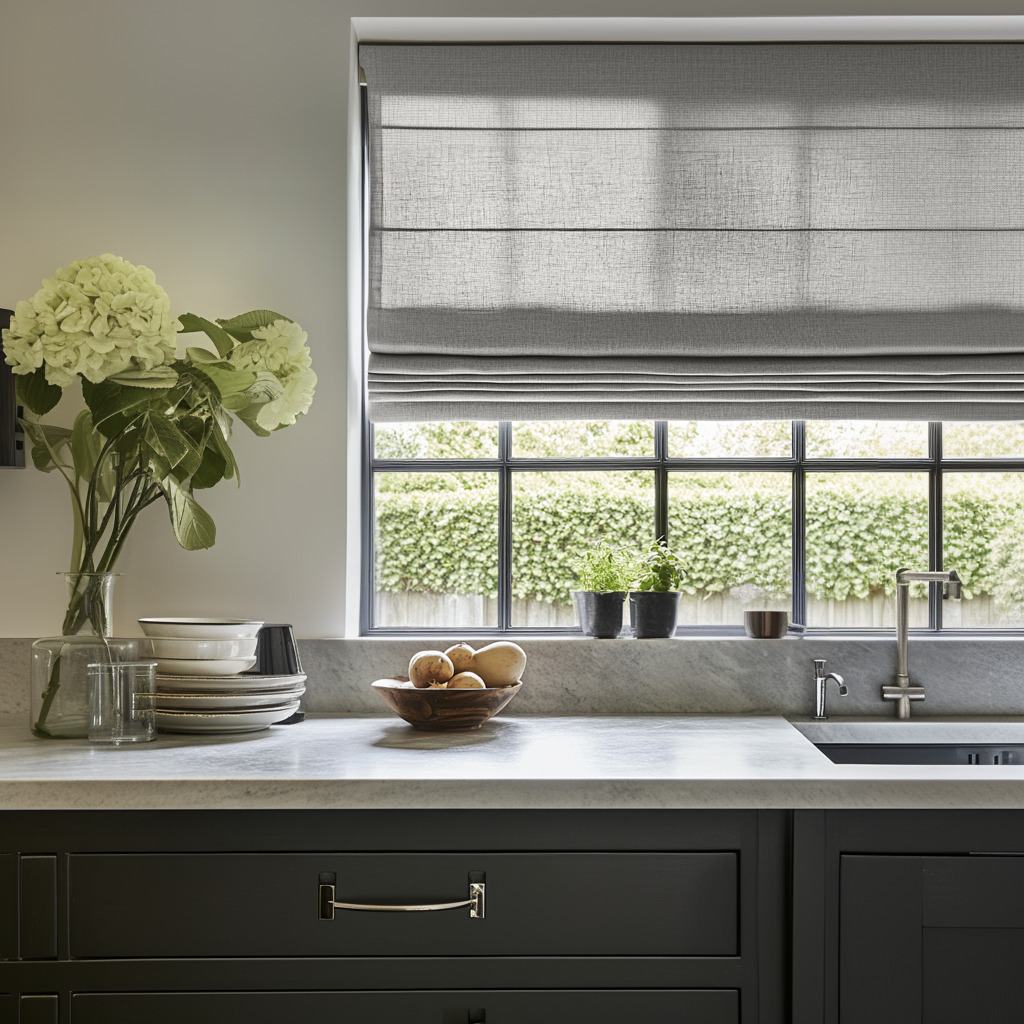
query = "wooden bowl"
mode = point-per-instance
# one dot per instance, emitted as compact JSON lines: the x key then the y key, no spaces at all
{"x":444,"y":710}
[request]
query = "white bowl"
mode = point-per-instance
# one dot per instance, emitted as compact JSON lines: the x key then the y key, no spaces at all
{"x":201,"y":629}
{"x":163,"y":647}
{"x":198,"y":667}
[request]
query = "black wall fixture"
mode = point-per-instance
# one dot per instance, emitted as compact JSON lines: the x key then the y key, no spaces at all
{"x":12,"y":444}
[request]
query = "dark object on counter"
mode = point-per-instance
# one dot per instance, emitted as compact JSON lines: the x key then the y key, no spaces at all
{"x":600,"y":612}
{"x":277,"y":653}
{"x":652,"y":613}
{"x":766,"y":625}
{"x":447,"y":710}
{"x":299,"y":716}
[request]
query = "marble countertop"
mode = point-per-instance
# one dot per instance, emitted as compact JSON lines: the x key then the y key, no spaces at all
{"x":346,"y":761}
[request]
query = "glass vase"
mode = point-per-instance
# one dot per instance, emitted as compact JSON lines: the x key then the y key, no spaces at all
{"x":59,"y":681}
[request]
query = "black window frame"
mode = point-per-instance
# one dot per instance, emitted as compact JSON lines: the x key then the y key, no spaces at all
{"x":797,"y":464}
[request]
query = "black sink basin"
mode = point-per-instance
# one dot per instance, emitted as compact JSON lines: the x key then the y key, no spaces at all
{"x":923,"y":753}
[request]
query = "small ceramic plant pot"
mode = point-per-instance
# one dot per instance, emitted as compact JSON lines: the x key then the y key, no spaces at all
{"x":600,"y":612}
{"x":652,"y":613}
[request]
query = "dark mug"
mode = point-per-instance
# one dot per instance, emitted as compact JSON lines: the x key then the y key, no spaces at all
{"x":277,"y":653}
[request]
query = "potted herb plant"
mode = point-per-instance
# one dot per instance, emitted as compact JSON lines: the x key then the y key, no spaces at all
{"x":604,"y":575}
{"x":654,"y":597}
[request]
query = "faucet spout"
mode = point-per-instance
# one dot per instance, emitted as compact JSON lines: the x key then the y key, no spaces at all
{"x":903,"y":693}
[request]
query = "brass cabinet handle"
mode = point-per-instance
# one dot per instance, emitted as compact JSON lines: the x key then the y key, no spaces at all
{"x":476,"y":903}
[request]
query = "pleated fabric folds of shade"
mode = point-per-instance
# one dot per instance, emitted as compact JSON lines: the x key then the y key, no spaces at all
{"x":696,"y":231}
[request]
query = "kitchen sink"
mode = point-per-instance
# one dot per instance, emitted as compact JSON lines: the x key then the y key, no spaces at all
{"x":923,"y":753}
{"x":959,"y":740}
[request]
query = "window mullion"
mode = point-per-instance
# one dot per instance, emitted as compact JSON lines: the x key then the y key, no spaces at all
{"x":799,"y":525}
{"x":504,"y":527}
{"x":661,"y":480}
{"x":935,"y":553}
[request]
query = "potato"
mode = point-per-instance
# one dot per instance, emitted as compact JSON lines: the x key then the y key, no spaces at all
{"x":465,"y":681}
{"x":500,"y":663}
{"x":461,"y":656}
{"x":428,"y":667}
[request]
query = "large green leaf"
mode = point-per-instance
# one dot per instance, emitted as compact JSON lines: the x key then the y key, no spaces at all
{"x":158,"y":377}
{"x":200,"y":381}
{"x":159,"y":466}
{"x":242,"y":326}
{"x":194,"y":428}
{"x":36,"y":393}
{"x":248,"y":417}
{"x":47,"y":442}
{"x":211,"y":472}
{"x":219,"y":437}
{"x":190,"y":323}
{"x":173,"y":445}
{"x":230,"y":382}
{"x":86,"y":446}
{"x":201,"y":356}
{"x":192,"y":524}
{"x":113,"y":407}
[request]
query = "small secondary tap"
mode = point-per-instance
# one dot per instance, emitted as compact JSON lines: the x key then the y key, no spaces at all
{"x":820,"y":679}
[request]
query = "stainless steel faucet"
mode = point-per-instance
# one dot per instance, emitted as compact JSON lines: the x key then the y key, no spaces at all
{"x":903,"y":693}
{"x":820,"y":679}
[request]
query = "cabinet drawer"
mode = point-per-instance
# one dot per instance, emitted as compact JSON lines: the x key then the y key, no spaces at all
{"x":537,"y":904}
{"x":703,"y":1006}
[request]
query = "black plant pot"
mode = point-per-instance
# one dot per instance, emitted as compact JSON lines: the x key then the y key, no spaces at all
{"x":600,"y":612}
{"x":652,"y":613}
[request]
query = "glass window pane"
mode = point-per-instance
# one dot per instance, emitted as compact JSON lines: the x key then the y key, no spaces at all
{"x":556,"y":517}
{"x":730,"y":440}
{"x":983,"y":523}
{"x":436,"y":549}
{"x":861,"y":528}
{"x":583,"y":439}
{"x":462,"y":440}
{"x":733,"y":532}
{"x":861,"y":439}
{"x":983,"y":440}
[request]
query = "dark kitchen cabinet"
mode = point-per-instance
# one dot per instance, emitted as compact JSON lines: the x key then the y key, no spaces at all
{"x":953,"y":930}
{"x":590,"y":916}
{"x":908,"y":917}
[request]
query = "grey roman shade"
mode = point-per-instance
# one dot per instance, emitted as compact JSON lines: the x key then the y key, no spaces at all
{"x":696,"y":231}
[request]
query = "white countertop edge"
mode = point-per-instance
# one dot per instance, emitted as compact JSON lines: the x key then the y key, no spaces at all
{"x":362,"y":794}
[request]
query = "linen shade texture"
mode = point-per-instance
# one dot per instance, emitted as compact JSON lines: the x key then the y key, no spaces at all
{"x":696,"y":231}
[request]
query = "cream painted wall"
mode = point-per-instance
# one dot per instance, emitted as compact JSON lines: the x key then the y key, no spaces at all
{"x":206,"y":139}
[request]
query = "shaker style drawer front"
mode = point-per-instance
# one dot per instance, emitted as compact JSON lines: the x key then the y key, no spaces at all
{"x":539,"y":904}
{"x":703,"y":1006}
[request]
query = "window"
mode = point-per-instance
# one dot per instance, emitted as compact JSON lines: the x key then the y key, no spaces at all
{"x":635,"y":268}
{"x":475,"y":526}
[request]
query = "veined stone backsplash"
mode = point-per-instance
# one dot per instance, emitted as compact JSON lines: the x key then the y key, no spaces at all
{"x":722,"y":675}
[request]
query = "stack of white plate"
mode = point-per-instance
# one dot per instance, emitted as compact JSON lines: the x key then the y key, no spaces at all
{"x":199,"y":680}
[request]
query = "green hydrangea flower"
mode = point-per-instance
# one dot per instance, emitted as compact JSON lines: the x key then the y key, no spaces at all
{"x":96,"y":317}
{"x":280,"y":349}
